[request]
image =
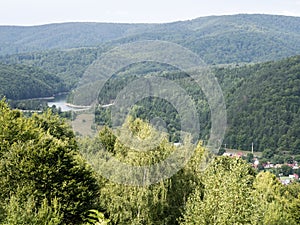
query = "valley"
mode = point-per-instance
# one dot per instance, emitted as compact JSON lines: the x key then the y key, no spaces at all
{"x":77,"y":150}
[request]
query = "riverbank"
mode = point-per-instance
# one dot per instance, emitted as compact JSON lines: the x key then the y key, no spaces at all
{"x":77,"y":106}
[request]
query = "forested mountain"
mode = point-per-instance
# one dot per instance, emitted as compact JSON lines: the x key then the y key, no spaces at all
{"x":24,"y":82}
{"x":217,"y":39}
{"x":68,"y":64}
{"x":16,"y":39}
{"x":262,"y":100}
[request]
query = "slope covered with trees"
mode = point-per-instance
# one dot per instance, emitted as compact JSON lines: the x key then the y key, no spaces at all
{"x":217,"y":39}
{"x":263,"y":105}
{"x":24,"y":82}
{"x":262,"y":100}
{"x":69,"y":65}
{"x":50,"y":176}
{"x":17,"y":39}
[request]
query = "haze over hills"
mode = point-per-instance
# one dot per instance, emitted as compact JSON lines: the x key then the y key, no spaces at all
{"x":217,"y":39}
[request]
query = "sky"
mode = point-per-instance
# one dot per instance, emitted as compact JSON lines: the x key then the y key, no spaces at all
{"x":37,"y":12}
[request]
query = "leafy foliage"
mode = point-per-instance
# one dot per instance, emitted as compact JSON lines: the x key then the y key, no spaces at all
{"x":274,"y":204}
{"x":234,"y":194}
{"x":159,"y":203}
{"x":24,"y":211}
{"x":226,"y":198}
{"x":45,"y":180}
{"x":96,"y":218}
{"x":40,"y":154}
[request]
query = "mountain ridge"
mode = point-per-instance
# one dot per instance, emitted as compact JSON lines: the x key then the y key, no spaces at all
{"x":252,"y":37}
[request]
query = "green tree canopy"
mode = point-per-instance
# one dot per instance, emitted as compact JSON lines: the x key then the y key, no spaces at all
{"x":40,"y":153}
{"x":227,"y":195}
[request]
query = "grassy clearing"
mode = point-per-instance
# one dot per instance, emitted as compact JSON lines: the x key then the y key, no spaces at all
{"x":83,"y":123}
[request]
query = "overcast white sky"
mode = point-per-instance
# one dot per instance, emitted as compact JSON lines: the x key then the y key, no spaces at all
{"x":33,"y":12}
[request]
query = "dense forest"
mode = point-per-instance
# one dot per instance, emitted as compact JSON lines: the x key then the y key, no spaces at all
{"x":262,"y":100}
{"x":49,"y":177}
{"x":263,"y":103}
{"x":216,"y":39}
{"x":69,"y":65}
{"x":24,"y":82}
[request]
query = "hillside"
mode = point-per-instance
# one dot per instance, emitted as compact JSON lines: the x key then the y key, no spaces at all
{"x":24,"y":82}
{"x":217,"y":39}
{"x":16,"y":39}
{"x":262,"y":100}
{"x":263,"y":105}
{"x":69,"y":64}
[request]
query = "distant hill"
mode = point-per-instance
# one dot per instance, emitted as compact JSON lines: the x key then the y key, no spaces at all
{"x":217,"y":39}
{"x":17,"y":39}
{"x":24,"y":82}
{"x":68,"y":64}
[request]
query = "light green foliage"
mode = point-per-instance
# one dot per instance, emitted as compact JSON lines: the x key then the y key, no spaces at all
{"x":129,"y":204}
{"x":291,"y":194}
{"x":272,"y":206}
{"x":227,"y":192}
{"x":96,"y":218}
{"x":22,"y":210}
{"x":40,"y":154}
{"x":159,"y":203}
{"x":227,"y":195}
{"x":44,"y":180}
{"x":233,"y":195}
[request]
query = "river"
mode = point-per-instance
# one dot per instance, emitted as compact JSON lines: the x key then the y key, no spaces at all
{"x":60,"y":101}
